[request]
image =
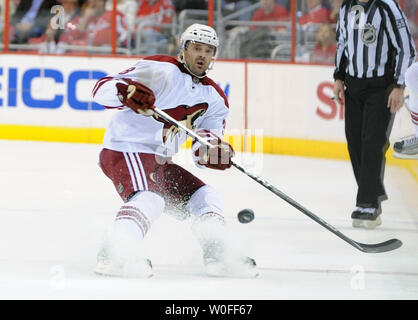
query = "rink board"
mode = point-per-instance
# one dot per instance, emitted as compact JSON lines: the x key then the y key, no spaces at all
{"x":274,"y":108}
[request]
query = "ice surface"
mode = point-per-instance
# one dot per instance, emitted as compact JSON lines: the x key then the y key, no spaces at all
{"x":55,"y":205}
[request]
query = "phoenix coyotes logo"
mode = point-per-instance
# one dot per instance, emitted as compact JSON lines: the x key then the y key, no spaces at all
{"x":184,"y":114}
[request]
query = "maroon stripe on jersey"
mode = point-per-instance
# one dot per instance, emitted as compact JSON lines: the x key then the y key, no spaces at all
{"x":119,"y":107}
{"x":99,"y":83}
{"x":414,"y":116}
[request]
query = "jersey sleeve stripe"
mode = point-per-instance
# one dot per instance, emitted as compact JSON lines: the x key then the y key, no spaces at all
{"x":99,"y":83}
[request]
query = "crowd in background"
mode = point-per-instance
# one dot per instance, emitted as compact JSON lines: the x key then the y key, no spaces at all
{"x":88,"y":23}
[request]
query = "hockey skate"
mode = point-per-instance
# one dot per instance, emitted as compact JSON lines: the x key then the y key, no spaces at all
{"x":219,"y":258}
{"x":135,"y":267}
{"x":407,"y":148}
{"x":118,"y":257}
{"x":218,"y":263}
{"x":368,"y":218}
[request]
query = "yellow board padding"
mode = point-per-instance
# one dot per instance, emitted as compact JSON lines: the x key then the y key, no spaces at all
{"x":265,"y":144}
{"x":52,"y":134}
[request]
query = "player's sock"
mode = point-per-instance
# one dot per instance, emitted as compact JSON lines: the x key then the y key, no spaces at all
{"x":122,"y":253}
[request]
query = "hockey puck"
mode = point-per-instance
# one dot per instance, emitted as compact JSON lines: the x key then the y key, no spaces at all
{"x":246,"y":215}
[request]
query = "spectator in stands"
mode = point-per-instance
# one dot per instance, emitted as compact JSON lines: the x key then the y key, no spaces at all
{"x":335,"y":9}
{"x":93,"y":27}
{"x":270,"y":11}
{"x":127,"y":7}
{"x":311,"y":21}
{"x":325,"y":48}
{"x":190,"y":4}
{"x":30,"y":19}
{"x":156,"y":12}
{"x":12,"y":8}
{"x":317,"y":13}
{"x":284,"y":3}
{"x":411,"y":12}
{"x":232,"y":6}
{"x":48,"y":41}
{"x":259,"y":40}
{"x":1,"y":19}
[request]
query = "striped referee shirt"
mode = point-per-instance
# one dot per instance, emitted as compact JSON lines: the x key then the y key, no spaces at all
{"x":373,"y":41}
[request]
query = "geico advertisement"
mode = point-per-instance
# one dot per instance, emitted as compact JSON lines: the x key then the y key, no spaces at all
{"x":282,"y":100}
{"x":57,"y":91}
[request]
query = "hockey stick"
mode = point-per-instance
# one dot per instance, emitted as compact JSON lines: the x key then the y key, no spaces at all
{"x":385,"y":246}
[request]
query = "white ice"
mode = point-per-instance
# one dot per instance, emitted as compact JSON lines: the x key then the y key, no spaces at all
{"x":55,"y":204}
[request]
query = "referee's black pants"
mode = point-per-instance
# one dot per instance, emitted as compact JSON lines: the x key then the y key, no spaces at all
{"x":368,"y":122}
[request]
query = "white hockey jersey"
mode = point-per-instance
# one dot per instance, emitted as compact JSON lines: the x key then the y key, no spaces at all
{"x":196,"y":103}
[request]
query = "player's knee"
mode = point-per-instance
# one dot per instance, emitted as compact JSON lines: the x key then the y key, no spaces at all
{"x":149,"y":203}
{"x":205,"y":199}
{"x":411,"y":78}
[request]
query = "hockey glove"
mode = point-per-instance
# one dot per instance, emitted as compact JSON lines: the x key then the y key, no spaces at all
{"x":136,"y":96}
{"x":217,"y":157}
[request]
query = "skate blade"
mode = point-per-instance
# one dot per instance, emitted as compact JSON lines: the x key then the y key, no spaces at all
{"x":220,"y":270}
{"x":405,"y":156}
{"x":108,"y":270}
{"x":367,"y":224}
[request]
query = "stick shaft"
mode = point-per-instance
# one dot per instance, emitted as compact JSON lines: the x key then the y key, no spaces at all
{"x":379,"y":247}
{"x":296,"y":205}
{"x":245,"y":171}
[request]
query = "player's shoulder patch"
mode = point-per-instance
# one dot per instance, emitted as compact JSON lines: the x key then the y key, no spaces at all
{"x":206,"y":81}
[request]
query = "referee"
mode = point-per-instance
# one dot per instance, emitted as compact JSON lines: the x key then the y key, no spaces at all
{"x":374,"y":50}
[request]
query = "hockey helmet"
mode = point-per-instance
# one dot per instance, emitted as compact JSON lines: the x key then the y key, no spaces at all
{"x":200,"y":33}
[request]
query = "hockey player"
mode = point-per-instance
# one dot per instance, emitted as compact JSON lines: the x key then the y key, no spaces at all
{"x":407,"y":148}
{"x":138,"y":146}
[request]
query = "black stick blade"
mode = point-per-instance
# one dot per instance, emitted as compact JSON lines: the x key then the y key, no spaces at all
{"x":386,"y":246}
